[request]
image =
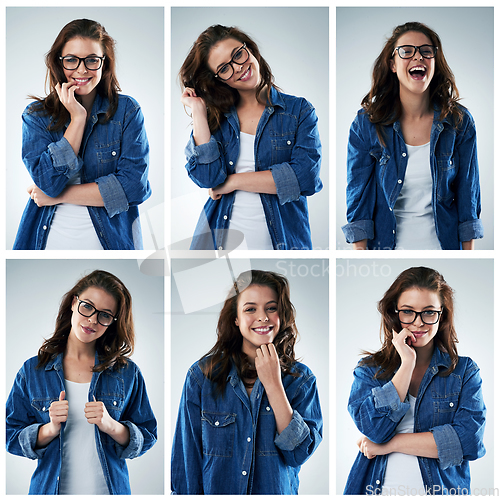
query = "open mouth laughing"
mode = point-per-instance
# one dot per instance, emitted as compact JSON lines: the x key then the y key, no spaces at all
{"x":263,"y":330}
{"x":418,"y":72}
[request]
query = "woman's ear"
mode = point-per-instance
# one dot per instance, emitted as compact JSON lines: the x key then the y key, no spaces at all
{"x":236,"y":322}
{"x":392,"y":65}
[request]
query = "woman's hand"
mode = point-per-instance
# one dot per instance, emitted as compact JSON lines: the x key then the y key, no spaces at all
{"x":370,"y":449}
{"x":402,"y":341}
{"x":96,"y":413}
{"x":268,"y":367}
{"x":191,"y":100}
{"x":40,"y":198}
{"x":66,"y":94}
{"x":224,"y":188}
{"x":58,"y":413}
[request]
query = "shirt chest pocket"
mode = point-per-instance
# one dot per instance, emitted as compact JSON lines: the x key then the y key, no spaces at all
{"x":381,"y":158}
{"x":266,"y":431}
{"x":41,"y":407}
{"x":114,"y":405}
{"x":218,"y":431}
{"x":446,"y":173}
{"x":445,"y":398}
{"x":107,"y":158}
{"x":282,"y":148}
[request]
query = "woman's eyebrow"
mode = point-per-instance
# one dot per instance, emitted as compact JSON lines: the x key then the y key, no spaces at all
{"x":412,"y":308}
{"x":89,"y":55}
{"x":91,"y":303}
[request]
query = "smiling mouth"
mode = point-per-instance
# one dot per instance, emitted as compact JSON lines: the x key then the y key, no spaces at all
{"x":245,"y":75}
{"x":418,"y":72}
{"x":419,"y":334}
{"x":263,"y":330}
{"x":87,"y":330}
{"x":81,"y":81}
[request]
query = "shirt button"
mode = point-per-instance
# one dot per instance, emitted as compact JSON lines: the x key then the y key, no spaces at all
{"x":390,"y":209}
{"x":225,"y":217}
{"x":114,"y":403}
{"x":393,"y":232}
{"x":230,"y":163}
{"x":451,"y":163}
{"x":217,"y":423}
{"x":43,"y":409}
{"x":451,"y":405}
{"x":45,"y":228}
{"x":289,"y":142}
{"x":378,"y":481}
{"x":399,"y":181}
{"x":220,"y":248}
{"x":113,"y":153}
{"x":404,"y":154}
{"x":249,"y":439}
{"x":267,"y":408}
{"x":244,"y":472}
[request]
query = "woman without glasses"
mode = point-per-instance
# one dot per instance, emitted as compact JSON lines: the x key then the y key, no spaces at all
{"x":255,"y":148}
{"x":418,"y":404}
{"x":86,"y":150}
{"x":80,"y":407}
{"x":412,"y":172}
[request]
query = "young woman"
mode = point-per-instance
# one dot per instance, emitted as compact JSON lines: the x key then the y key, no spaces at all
{"x":80,"y":407}
{"x":417,"y":403}
{"x":249,"y":415}
{"x":412,"y":172}
{"x":86,"y":150}
{"x":255,"y":148}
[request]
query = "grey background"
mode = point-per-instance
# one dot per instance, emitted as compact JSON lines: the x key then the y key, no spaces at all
{"x":193,"y":335}
{"x":138,"y":33}
{"x":32,"y":308}
{"x":294,"y":42}
{"x":361,"y":283}
{"x":467,"y":37}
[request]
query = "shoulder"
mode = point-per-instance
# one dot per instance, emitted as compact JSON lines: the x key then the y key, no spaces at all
{"x":303,"y":374}
{"x":466,"y":365}
{"x":128,"y":370}
{"x":291,"y":102}
{"x":35,"y":110}
{"x":128,"y":107}
{"x":362,"y":120}
{"x":128,"y":101}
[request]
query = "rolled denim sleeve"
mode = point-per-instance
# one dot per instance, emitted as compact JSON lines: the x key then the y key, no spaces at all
{"x":361,"y":187}
{"x":463,"y":438}
{"x":205,"y":163}
{"x":303,"y":434}
{"x":47,"y":155}
{"x":375,"y":406}
{"x":300,"y":176}
{"x":467,"y":188}
{"x":129,"y":185}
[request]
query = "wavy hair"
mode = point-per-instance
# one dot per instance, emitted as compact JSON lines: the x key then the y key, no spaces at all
{"x":218,"y":96}
{"x":108,"y":86}
{"x":382,"y":103}
{"x":216,"y":364}
{"x":117,"y":343}
{"x":423,"y":278}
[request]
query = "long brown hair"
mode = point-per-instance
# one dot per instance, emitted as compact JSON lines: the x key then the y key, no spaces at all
{"x":218,"y":96}
{"x":108,"y":86}
{"x":227,"y":350}
{"x":117,"y":343}
{"x":424,"y":278}
{"x":382,"y":103}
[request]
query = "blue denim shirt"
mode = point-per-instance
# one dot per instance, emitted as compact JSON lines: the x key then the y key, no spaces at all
{"x":450,"y":407}
{"x":115,"y":155}
{"x":123,"y":392}
{"x":229,"y":444}
{"x":375,"y":176}
{"x":286,"y":143}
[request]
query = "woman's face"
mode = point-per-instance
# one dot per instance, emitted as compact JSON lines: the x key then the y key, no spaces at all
{"x":246,"y":76}
{"x":85,"y":80}
{"x":414,"y":74}
{"x":417,"y":299}
{"x":87,"y":330}
{"x":257,"y":317}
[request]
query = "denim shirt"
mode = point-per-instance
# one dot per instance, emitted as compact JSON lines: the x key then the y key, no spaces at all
{"x":286,"y":143}
{"x":450,"y":407}
{"x":123,"y":392}
{"x":115,"y":155}
{"x":375,"y":176}
{"x":228,"y":444}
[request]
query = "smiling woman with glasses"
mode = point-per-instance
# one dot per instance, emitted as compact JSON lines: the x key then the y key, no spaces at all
{"x":412,"y":169}
{"x":80,"y":407}
{"x":416,"y":402}
{"x":255,"y":148}
{"x":86,"y":149}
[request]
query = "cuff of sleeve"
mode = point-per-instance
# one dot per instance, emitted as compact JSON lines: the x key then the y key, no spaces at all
{"x":359,"y":230}
{"x":113,"y":195}
{"x":470,"y":230}
{"x":27,"y":441}
{"x":287,"y":185}
{"x":204,"y":153}
{"x":295,"y":432}
{"x":387,"y":402}
{"x":448,"y":445}
{"x":135,"y":444}
{"x":63,"y":156}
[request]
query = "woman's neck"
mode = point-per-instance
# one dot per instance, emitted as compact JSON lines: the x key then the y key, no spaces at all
{"x":80,"y":351}
{"x":415,"y":106}
{"x":87,"y":101}
{"x":248,"y":99}
{"x":424,"y":354}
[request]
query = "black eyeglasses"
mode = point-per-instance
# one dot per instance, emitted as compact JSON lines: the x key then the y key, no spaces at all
{"x":92,"y":63}
{"x":88,"y":310}
{"x":408,"y":51}
{"x":240,"y":57}
{"x":408,"y":316}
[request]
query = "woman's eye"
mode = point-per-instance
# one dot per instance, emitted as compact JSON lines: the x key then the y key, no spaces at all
{"x":272,"y":309}
{"x":105,"y":315}
{"x":238,"y":55}
{"x":250,"y":309}
{"x":224,"y":69}
{"x":429,"y":313}
{"x":91,"y":60}
{"x":70,"y":60}
{"x":87,"y":307}
{"x":407,"y":311}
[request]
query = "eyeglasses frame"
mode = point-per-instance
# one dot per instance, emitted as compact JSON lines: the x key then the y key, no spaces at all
{"x":417,"y":314}
{"x":96,"y":311}
{"x":415,"y":48}
{"x":80,"y":59}
{"x":231,"y":62}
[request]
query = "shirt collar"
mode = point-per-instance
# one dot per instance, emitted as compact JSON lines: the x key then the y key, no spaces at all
{"x":275,"y":99}
{"x":56,"y":362}
{"x":440,"y":358}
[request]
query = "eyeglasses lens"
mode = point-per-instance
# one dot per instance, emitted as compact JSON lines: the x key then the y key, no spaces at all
{"x":91,"y":63}
{"x":428,"y":317}
{"x":408,"y":51}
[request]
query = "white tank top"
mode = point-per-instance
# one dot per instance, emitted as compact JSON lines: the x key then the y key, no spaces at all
{"x":413,"y":209}
{"x":402,"y":474}
{"x":81,"y":471}
{"x":247,"y":215}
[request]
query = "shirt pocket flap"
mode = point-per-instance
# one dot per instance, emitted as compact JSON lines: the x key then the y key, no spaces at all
{"x":218,"y":419}
{"x":112,"y":403}
{"x":42,"y":405}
